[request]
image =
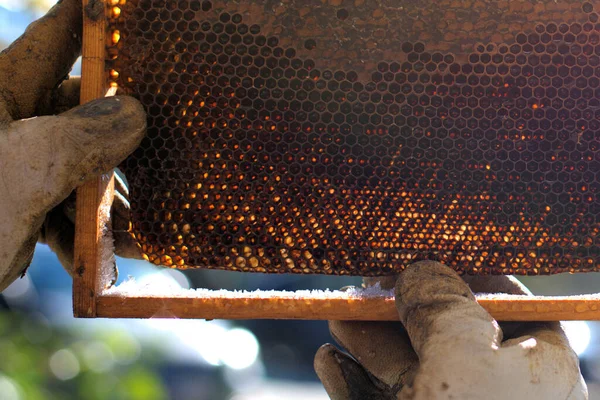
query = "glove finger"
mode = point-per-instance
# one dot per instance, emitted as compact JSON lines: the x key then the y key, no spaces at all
{"x":344,"y":379}
{"x":500,"y":284}
{"x":549,"y":332}
{"x":69,"y":207}
{"x":20,"y":262}
{"x":38,"y":60}
{"x":120,"y":208}
{"x":511,"y":330}
{"x":382,"y":348}
{"x":546,"y":359}
{"x":125,"y":244}
{"x":61,"y":99}
{"x":496,"y":284}
{"x":104,"y":132}
{"x":58,"y":232}
{"x":440,"y":313}
{"x":372,"y":342}
{"x":120,"y":185}
{"x":66,"y":150}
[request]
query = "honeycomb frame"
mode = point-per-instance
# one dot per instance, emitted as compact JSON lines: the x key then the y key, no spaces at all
{"x":268,"y":152}
{"x":91,"y":279}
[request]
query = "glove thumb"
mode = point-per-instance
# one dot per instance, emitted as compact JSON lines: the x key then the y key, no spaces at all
{"x":59,"y":153}
{"x":43,"y":159}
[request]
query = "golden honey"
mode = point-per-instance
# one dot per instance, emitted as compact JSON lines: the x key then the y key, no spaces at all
{"x":356,"y":137}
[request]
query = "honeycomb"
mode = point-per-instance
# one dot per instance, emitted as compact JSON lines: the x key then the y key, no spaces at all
{"x":356,"y":137}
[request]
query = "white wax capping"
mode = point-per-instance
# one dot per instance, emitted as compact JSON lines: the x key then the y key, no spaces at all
{"x":107,"y":245}
{"x":133,"y":288}
{"x":505,"y":296}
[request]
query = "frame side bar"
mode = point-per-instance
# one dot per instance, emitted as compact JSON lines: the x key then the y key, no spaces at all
{"x":94,"y":194}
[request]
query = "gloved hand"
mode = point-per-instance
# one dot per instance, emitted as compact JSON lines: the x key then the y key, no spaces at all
{"x":449,"y":347}
{"x":43,"y":159}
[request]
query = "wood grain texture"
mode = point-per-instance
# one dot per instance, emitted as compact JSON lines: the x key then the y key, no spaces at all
{"x":350,"y":309}
{"x":87,"y":281}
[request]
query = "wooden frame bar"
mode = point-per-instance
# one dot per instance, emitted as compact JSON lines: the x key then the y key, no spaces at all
{"x":350,"y":309}
{"x":90,"y":279}
{"x":92,"y":196}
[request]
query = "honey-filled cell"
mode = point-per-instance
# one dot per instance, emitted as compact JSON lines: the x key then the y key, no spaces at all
{"x":349,"y":138}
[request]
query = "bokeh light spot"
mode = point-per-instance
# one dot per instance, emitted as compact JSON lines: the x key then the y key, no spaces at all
{"x":241,"y":350}
{"x":579,"y":335}
{"x":64,"y":365}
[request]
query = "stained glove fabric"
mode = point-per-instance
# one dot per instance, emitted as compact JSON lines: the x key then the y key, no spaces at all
{"x":44,"y":158}
{"x":448,"y":347}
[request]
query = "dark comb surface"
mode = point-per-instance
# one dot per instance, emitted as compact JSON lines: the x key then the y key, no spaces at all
{"x":353,"y":137}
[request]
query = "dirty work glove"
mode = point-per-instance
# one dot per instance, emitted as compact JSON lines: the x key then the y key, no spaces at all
{"x":43,"y":159}
{"x":448,"y":347}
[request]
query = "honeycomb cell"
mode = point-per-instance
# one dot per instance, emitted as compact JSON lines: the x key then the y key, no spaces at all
{"x":282,"y":142}
{"x":310,"y":44}
{"x":342,"y":14}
